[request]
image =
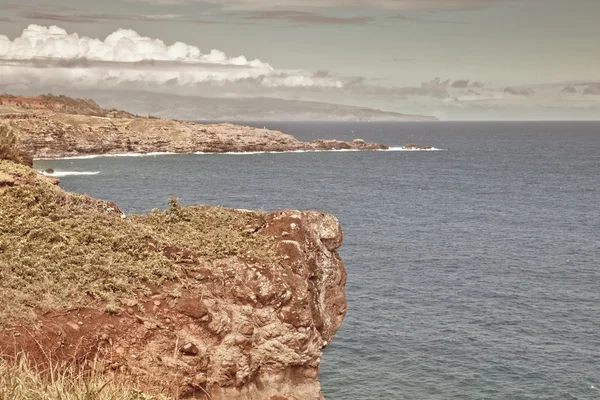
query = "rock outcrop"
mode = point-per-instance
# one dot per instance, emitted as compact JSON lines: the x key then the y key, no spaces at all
{"x":226,"y":322}
{"x":58,"y":126}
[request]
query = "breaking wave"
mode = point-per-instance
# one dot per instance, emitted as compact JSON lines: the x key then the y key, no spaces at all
{"x":318,"y":151}
{"x":108,"y":155}
{"x":60,"y":174}
{"x":232,"y":153}
{"x":405,"y":149}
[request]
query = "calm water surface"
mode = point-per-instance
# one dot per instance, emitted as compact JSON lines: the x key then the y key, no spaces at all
{"x":473,"y":273}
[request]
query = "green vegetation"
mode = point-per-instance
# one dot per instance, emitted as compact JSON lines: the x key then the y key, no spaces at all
{"x":20,"y":382}
{"x":60,"y":250}
{"x":8,"y":144}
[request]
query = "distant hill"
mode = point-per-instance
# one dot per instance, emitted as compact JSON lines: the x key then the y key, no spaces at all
{"x":233,"y":109}
{"x":244,"y":109}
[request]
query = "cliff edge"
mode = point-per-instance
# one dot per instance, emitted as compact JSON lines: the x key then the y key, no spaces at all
{"x":189,"y":302}
{"x":59,"y":126}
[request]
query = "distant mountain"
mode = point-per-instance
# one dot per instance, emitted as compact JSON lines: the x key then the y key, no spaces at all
{"x":238,"y":109}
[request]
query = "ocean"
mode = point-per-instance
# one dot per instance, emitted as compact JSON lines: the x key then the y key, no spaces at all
{"x":473,"y":272}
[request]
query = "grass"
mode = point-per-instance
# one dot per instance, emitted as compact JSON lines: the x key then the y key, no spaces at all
{"x":19,"y":381}
{"x":57,"y":250}
{"x":8,"y":144}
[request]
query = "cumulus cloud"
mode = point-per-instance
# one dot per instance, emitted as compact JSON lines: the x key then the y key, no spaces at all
{"x":52,"y":55}
{"x":519,"y":91}
{"x":592,"y":88}
{"x":460,"y":84}
{"x":124,"y":45}
{"x":465,"y":83}
{"x":569,"y":89}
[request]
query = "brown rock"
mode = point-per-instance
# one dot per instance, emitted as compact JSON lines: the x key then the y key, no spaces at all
{"x":192,"y":307}
{"x":189,"y":349}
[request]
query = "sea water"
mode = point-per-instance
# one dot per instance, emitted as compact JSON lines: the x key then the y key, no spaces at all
{"x":473,"y":273}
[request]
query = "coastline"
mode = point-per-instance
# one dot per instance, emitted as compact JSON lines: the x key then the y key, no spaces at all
{"x":236,"y":153}
{"x":57,"y":127}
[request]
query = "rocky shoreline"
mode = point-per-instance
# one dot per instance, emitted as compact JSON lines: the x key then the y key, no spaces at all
{"x":59,"y":127}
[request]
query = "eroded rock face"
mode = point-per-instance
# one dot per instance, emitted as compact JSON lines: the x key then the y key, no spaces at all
{"x":55,"y":127}
{"x":247,"y":330}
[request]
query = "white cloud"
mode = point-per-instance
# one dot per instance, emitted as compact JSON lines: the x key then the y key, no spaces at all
{"x":406,"y":5}
{"x":123,"y":45}
{"x":51,"y":55}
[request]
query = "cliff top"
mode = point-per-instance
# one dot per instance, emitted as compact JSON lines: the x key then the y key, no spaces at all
{"x":67,"y":250}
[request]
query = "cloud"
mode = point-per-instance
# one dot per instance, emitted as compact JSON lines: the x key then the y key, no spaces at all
{"x":465,"y":83}
{"x":435,"y":88}
{"x":592,"y":88}
{"x":10,"y":6}
{"x":50,"y":55}
{"x":306,"y":18}
{"x":519,"y":91}
{"x":38,"y":7}
{"x":569,"y":89}
{"x":96,"y":18}
{"x":404,"y":60}
{"x":402,"y":17}
{"x":460,"y":84}
{"x":404,"y":5}
{"x":123,"y":45}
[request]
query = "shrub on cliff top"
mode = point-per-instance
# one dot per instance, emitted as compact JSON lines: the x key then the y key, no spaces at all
{"x":8,"y":144}
{"x":58,"y":250}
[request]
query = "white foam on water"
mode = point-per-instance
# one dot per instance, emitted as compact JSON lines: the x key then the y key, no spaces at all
{"x":405,"y":149}
{"x":239,"y":153}
{"x":242,"y":153}
{"x":109,"y":155}
{"x":60,"y":174}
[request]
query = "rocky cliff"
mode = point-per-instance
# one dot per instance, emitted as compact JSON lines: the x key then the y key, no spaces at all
{"x":191,"y":302}
{"x":59,"y":126}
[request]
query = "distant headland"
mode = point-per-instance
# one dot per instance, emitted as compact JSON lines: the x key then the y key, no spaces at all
{"x":58,"y":126}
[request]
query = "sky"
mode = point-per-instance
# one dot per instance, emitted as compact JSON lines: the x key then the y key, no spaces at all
{"x":453,"y":59}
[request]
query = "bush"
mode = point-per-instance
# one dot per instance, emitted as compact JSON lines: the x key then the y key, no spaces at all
{"x":8,"y":144}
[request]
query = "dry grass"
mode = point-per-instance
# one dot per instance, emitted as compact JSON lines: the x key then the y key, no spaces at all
{"x":58,"y":251}
{"x":20,"y":382}
{"x":8,"y":144}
